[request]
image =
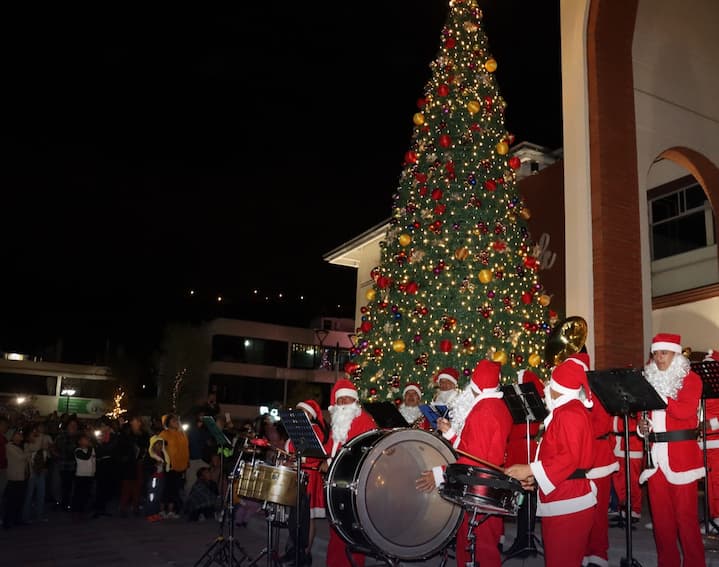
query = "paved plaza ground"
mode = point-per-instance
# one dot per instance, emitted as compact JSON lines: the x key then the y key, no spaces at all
{"x":134,"y":542}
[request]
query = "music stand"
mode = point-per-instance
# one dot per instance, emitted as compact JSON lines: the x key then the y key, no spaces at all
{"x":306,"y":444}
{"x":708,"y":371}
{"x":525,"y":405}
{"x":386,"y":415}
{"x":222,"y":551}
{"x":623,"y":391}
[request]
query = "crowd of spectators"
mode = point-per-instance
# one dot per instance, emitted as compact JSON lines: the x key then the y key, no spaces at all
{"x":155,"y":468}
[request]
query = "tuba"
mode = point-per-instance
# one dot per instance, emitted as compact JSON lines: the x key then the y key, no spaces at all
{"x":567,"y":338}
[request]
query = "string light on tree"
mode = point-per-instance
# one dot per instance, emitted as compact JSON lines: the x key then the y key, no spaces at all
{"x":458,"y":277}
{"x":176,"y":385}
{"x":117,"y":409}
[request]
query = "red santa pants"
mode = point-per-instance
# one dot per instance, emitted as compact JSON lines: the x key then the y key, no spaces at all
{"x":336,"y":554}
{"x":713,"y":481}
{"x":486,"y":538}
{"x":566,"y":537}
{"x":620,"y":486}
{"x":674,"y":515}
{"x":598,"y":548}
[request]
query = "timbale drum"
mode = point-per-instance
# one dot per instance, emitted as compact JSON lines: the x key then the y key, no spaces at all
{"x":259,"y":481}
{"x":371,"y":497}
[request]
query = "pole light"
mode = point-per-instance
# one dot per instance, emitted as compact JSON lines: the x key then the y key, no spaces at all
{"x":68,"y":393}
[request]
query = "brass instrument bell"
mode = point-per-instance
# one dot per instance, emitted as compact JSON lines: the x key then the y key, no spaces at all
{"x":567,"y":338}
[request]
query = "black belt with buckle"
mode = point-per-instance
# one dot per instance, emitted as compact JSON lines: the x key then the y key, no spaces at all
{"x":676,"y":435}
{"x":578,"y":473}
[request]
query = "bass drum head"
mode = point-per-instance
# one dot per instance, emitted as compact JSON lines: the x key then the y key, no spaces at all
{"x":398,"y":519}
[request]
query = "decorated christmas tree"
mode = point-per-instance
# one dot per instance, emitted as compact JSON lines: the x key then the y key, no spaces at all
{"x":458,"y":276}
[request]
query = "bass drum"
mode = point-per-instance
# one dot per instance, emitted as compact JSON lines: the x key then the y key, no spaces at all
{"x":371,"y":497}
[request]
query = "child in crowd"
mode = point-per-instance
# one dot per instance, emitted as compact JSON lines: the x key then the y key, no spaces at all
{"x":84,"y":476}
{"x":17,"y":474}
{"x":161,"y":462}
{"x":203,"y":496}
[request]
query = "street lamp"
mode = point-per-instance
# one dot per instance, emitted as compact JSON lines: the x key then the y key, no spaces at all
{"x":68,"y":393}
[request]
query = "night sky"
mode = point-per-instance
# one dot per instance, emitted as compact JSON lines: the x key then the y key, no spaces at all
{"x":147,"y":153}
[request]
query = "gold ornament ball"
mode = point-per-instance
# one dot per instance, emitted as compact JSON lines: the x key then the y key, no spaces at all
{"x":485,"y":276}
{"x":461,"y":253}
{"x":405,"y":239}
{"x":500,"y":356}
{"x":502,"y":148}
{"x":491,"y":65}
{"x":512,"y":218}
{"x":473,"y":106}
{"x":418,"y":119}
{"x":370,"y":295}
{"x":545,"y":299}
{"x":534,"y":359}
{"x":398,"y":345}
{"x":525,"y":213}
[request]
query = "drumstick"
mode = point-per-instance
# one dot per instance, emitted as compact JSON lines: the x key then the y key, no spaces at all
{"x":481,"y":461}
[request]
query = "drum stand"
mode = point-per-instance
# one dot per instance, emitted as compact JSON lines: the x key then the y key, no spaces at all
{"x":272,"y":537}
{"x":471,"y":524}
{"x":225,"y":550}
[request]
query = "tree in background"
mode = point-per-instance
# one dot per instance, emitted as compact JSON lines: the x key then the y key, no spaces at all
{"x":458,"y":274}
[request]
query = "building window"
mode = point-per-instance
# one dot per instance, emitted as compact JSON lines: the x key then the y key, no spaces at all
{"x":680,"y":220}
{"x":101,"y":389}
{"x":247,"y":391}
{"x":304,"y":356}
{"x":11,"y":383}
{"x":249,"y":350}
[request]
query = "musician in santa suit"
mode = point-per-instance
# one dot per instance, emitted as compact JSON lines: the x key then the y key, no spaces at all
{"x":677,"y":458}
{"x":409,"y":408}
{"x":314,"y":506}
{"x":711,"y":418}
{"x":447,"y":381}
{"x":517,"y":452}
{"x":566,"y":451}
{"x":348,"y":420}
{"x":480,"y":427}
{"x":603,"y":468}
{"x":636,"y":463}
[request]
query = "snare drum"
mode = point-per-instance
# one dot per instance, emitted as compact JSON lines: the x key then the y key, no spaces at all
{"x":371,"y":497}
{"x":259,"y":481}
{"x":484,"y":490}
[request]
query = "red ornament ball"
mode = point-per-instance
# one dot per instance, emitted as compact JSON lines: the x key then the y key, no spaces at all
{"x":445,"y":141}
{"x":437,"y":194}
{"x":490,"y":185}
{"x":373,"y":391}
{"x":366,"y":327}
{"x":515,"y":162}
{"x":410,"y":157}
{"x":526,"y":298}
{"x":411,"y":287}
{"x":443,"y":90}
{"x":450,"y":43}
{"x":445,"y":345}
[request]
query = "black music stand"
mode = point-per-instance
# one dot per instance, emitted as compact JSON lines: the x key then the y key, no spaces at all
{"x":222,"y":551}
{"x":306,"y":444}
{"x":708,"y":371}
{"x":386,"y":415}
{"x":526,"y":406}
{"x":623,"y":391}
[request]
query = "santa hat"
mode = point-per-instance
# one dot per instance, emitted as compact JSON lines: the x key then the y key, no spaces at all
{"x":529,"y":377}
{"x":711,"y":355}
{"x":580,"y":358}
{"x":313,"y":408}
{"x":412,"y":386}
{"x":569,"y":377}
{"x":667,"y":341}
{"x":485,"y":376}
{"x":447,"y":374}
{"x":343,"y":387}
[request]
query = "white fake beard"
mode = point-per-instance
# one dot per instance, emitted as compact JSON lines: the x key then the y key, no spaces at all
{"x":460,"y":407}
{"x":410,"y":413}
{"x":668,"y":382}
{"x":444,"y":397}
{"x":342,"y":418}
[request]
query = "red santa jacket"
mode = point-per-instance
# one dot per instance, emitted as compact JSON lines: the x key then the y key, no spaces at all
{"x":680,"y":461}
{"x":360,"y":424}
{"x":711,"y":418}
{"x":566,"y":446}
{"x":605,"y":463}
{"x":484,"y":435}
{"x":636,"y":444}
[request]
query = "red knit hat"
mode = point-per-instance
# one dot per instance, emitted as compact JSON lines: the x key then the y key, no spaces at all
{"x":667,"y":341}
{"x":485,"y":375}
{"x":447,"y":374}
{"x":529,"y":377}
{"x":569,"y":377}
{"x":313,"y":408}
{"x":343,"y":387}
{"x":414,"y":387}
